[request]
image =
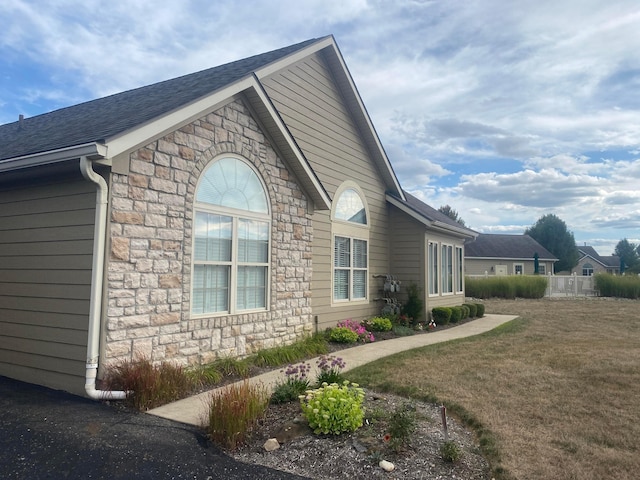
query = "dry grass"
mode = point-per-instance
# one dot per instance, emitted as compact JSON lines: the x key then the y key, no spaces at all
{"x":558,"y":389}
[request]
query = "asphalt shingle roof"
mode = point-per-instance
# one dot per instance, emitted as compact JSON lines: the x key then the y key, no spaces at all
{"x":430,"y":213}
{"x":608,"y":260}
{"x":105,"y":117}
{"x":506,"y":246}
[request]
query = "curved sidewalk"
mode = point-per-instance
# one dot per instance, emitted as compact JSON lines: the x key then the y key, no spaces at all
{"x":192,"y":410}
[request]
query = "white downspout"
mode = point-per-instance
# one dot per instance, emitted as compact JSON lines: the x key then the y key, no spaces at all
{"x":97,"y":275}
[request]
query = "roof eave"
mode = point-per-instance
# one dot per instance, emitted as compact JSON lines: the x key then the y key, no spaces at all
{"x":435,"y":225}
{"x":93,"y":151}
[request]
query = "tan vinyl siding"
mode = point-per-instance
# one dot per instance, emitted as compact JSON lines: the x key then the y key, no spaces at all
{"x":313,"y":109}
{"x":46,"y":241}
{"x":480,"y":266}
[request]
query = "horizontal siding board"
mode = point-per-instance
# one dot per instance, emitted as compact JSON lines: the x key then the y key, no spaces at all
{"x":81,"y":232}
{"x":42,"y":376}
{"x":47,"y":220}
{"x":62,"y":262}
{"x":72,"y":247}
{"x":44,"y":334}
{"x":35,"y":304}
{"x":45,"y":348}
{"x":46,"y":319}
{"x":75,"y":292}
{"x":61,"y":276}
{"x":53,"y":190}
{"x":59,"y":204}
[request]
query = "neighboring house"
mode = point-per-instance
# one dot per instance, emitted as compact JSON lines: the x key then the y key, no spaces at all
{"x":494,"y":254}
{"x":211,"y":215}
{"x":590,"y":262}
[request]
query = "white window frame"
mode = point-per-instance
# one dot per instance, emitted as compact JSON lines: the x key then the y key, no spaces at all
{"x":446,"y":269}
{"x":515,"y":268}
{"x":459,"y":263}
{"x":354,"y":232}
{"x":542,"y":269}
{"x":433,"y":268}
{"x":236,"y":215}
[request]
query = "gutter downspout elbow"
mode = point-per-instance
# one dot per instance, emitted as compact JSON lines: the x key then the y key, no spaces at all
{"x":97,"y":276}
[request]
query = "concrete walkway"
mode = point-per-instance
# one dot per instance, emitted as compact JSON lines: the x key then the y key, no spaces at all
{"x":193,"y":410}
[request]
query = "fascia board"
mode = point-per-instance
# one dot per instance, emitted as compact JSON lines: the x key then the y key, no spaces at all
{"x":93,"y":151}
{"x":511,"y":259}
{"x":345,"y":81}
{"x":141,"y":135}
{"x":293,"y":58}
{"x":302,"y":166}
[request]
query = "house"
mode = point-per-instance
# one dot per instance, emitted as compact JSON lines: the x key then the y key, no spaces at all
{"x":211,"y":215}
{"x":497,"y":254}
{"x":591,"y":262}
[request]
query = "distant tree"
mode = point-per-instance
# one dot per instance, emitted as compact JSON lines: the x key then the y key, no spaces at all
{"x":552,"y":233}
{"x":629,"y":254}
{"x":452,"y":214}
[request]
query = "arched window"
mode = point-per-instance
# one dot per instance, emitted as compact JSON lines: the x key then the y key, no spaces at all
{"x":350,"y":245}
{"x":231,"y":239}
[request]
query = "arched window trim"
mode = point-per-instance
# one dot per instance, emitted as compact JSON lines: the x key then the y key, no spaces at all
{"x":349,"y":283}
{"x":234,"y":265}
{"x":350,"y":185}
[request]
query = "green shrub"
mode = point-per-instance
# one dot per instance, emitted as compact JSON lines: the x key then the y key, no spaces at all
{"x":473,"y":309}
{"x":414,"y":305}
{"x":465,"y":311}
{"x":441,"y":315}
{"x":622,"y":286}
{"x":403,"y":330}
{"x":229,"y":367}
{"x":148,"y":385}
{"x":480,"y":310}
{"x":233,"y":411}
{"x":378,"y":324}
{"x":296,"y":383}
{"x":343,"y":335}
{"x":450,"y":451}
{"x":402,"y":424}
{"x":334,"y":409}
{"x":456,"y":314}
{"x":309,"y":346}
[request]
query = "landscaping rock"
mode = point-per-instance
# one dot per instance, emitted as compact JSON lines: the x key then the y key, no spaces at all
{"x":386,"y":466}
{"x":292,"y":430}
{"x":271,"y":445}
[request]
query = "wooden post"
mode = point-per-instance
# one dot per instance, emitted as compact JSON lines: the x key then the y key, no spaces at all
{"x":443,"y":414}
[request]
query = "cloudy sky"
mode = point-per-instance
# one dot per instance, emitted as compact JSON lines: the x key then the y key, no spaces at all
{"x":504,"y":110}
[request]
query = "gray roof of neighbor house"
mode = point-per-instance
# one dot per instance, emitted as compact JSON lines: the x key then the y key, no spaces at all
{"x":429,"y":215}
{"x":612,"y":261}
{"x":97,"y":120}
{"x":518,"y":247}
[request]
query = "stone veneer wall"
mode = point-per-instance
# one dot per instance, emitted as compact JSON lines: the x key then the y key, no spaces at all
{"x":151,"y":239}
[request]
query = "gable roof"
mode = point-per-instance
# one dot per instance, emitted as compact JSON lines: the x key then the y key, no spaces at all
{"x":611,"y":261}
{"x":512,"y":247}
{"x":103,"y":118}
{"x":113,"y":126}
{"x":429,"y":216}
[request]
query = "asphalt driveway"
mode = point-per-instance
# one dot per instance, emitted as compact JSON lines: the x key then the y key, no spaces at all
{"x":55,"y":435}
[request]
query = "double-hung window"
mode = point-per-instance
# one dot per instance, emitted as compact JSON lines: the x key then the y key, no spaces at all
{"x":350,"y":247}
{"x":447,"y":269}
{"x":433,"y":268}
{"x":231,"y":240}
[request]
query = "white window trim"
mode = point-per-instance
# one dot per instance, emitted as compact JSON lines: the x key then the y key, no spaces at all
{"x":459,"y":269}
{"x":353,"y":231}
{"x":521,"y":265}
{"x":453,"y":270}
{"x":235,"y":215}
{"x":433,"y":246}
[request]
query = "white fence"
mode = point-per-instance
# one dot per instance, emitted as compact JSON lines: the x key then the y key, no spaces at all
{"x":570,"y":286}
{"x":566,"y":285}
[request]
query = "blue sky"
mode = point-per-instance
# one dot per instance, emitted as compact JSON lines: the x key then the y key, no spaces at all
{"x":506,"y":111}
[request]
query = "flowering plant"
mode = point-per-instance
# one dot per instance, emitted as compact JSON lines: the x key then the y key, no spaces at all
{"x":297,"y":382}
{"x":330,"y":369}
{"x":432,"y":324}
{"x":364,"y":335}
